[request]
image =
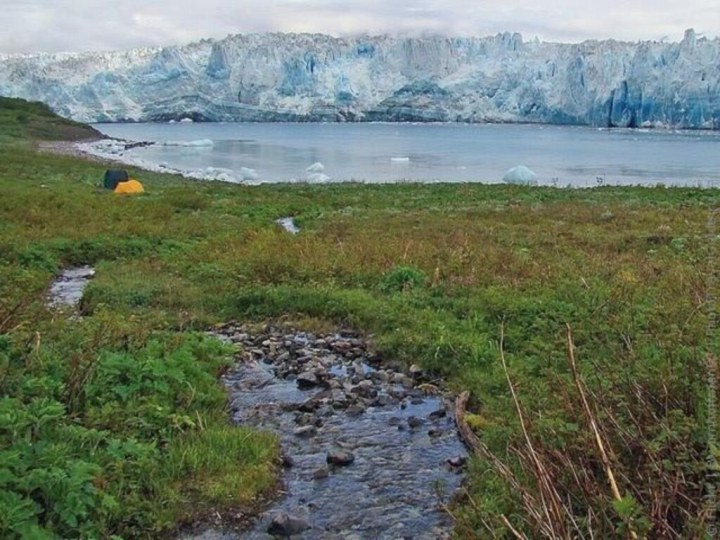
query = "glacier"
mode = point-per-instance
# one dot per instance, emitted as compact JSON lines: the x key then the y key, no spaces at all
{"x":315,"y":77}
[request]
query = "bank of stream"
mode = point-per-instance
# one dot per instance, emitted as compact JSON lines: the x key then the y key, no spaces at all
{"x":370,"y":449}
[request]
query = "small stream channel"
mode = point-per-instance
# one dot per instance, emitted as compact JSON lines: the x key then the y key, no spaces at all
{"x":68,"y":287}
{"x":288,"y":224}
{"x":370,"y":450}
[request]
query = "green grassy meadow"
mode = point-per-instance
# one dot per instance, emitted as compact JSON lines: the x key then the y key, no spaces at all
{"x":117,"y":425}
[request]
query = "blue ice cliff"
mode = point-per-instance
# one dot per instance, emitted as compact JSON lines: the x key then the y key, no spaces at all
{"x":291,"y":77}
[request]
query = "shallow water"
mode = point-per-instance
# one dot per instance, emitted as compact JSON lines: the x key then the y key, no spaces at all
{"x":560,"y":155}
{"x":289,"y":225}
{"x":401,"y":438}
{"x":68,"y":288}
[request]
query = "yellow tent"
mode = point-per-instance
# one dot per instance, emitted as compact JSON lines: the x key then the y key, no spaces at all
{"x":129,"y":187}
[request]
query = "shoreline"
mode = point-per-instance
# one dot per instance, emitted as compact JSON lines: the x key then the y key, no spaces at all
{"x":115,"y":147}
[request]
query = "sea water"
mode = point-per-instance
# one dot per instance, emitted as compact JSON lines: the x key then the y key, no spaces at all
{"x":382,"y":152}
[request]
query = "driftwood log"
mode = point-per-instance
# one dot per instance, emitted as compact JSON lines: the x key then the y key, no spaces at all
{"x":478,"y":447}
{"x":467,"y":435}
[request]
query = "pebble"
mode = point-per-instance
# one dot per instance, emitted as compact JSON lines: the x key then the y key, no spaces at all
{"x":307,"y":379}
{"x":457,"y":461}
{"x":286,"y":525}
{"x":341,"y":458}
{"x":322,"y":472}
{"x":305,"y":431}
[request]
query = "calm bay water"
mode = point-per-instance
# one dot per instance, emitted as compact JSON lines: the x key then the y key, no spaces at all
{"x":560,"y":155}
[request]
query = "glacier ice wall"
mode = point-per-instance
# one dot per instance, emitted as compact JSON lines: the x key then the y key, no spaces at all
{"x":291,"y":77}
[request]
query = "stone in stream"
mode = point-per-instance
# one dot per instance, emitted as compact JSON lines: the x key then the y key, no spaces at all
{"x":457,"y":461}
{"x":415,"y":422}
{"x":355,"y":410}
{"x":364,"y":388}
{"x":305,"y":432}
{"x":322,"y":472}
{"x":306,"y":380}
{"x":440,"y":413}
{"x":286,"y":525}
{"x":310,"y":405}
{"x":415,"y":371}
{"x":341,"y":458}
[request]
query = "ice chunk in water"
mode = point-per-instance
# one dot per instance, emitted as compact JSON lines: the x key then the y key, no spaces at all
{"x":248,"y":174}
{"x":316,"y":167}
{"x":520,"y":175}
{"x":318,"y":177}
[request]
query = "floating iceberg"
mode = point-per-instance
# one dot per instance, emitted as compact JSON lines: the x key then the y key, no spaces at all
{"x":520,"y":175}
{"x":248,"y":174}
{"x":318,"y":178}
{"x":316,"y":167}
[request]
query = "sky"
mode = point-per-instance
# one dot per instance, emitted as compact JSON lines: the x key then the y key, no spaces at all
{"x":88,"y":25}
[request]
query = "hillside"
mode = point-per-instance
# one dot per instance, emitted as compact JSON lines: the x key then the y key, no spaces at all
{"x":30,"y":120}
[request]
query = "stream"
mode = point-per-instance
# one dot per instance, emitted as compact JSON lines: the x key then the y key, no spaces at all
{"x":67,"y":289}
{"x":370,"y":450}
{"x":288,"y":224}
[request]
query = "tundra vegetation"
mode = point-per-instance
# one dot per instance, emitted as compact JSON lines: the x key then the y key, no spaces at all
{"x":116,"y":423}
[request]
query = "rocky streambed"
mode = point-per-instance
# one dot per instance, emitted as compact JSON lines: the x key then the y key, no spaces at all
{"x":370,"y":450}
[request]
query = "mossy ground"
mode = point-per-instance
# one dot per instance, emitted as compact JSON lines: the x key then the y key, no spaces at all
{"x":431,"y":271}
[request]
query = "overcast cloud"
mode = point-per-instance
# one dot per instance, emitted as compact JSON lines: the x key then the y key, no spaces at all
{"x":84,"y":25}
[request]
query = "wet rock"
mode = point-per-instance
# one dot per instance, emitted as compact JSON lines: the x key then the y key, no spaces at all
{"x":305,"y":432}
{"x":414,"y":422}
{"x":306,"y":380}
{"x":334,"y":384}
{"x":340,"y":458}
{"x":440,"y":413}
{"x":435,"y":432}
{"x":415,"y":371}
{"x":417,"y":401}
{"x":364,"y":388}
{"x":339,"y":399}
{"x":322,"y":472}
{"x":355,"y":409}
{"x":404,"y":380}
{"x":286,"y":525}
{"x":304,"y":419}
{"x":457,"y":461}
{"x":310,"y":405}
{"x":286,"y":461}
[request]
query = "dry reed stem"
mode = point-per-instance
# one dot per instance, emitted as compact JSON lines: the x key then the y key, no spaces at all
{"x":593,"y":424}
